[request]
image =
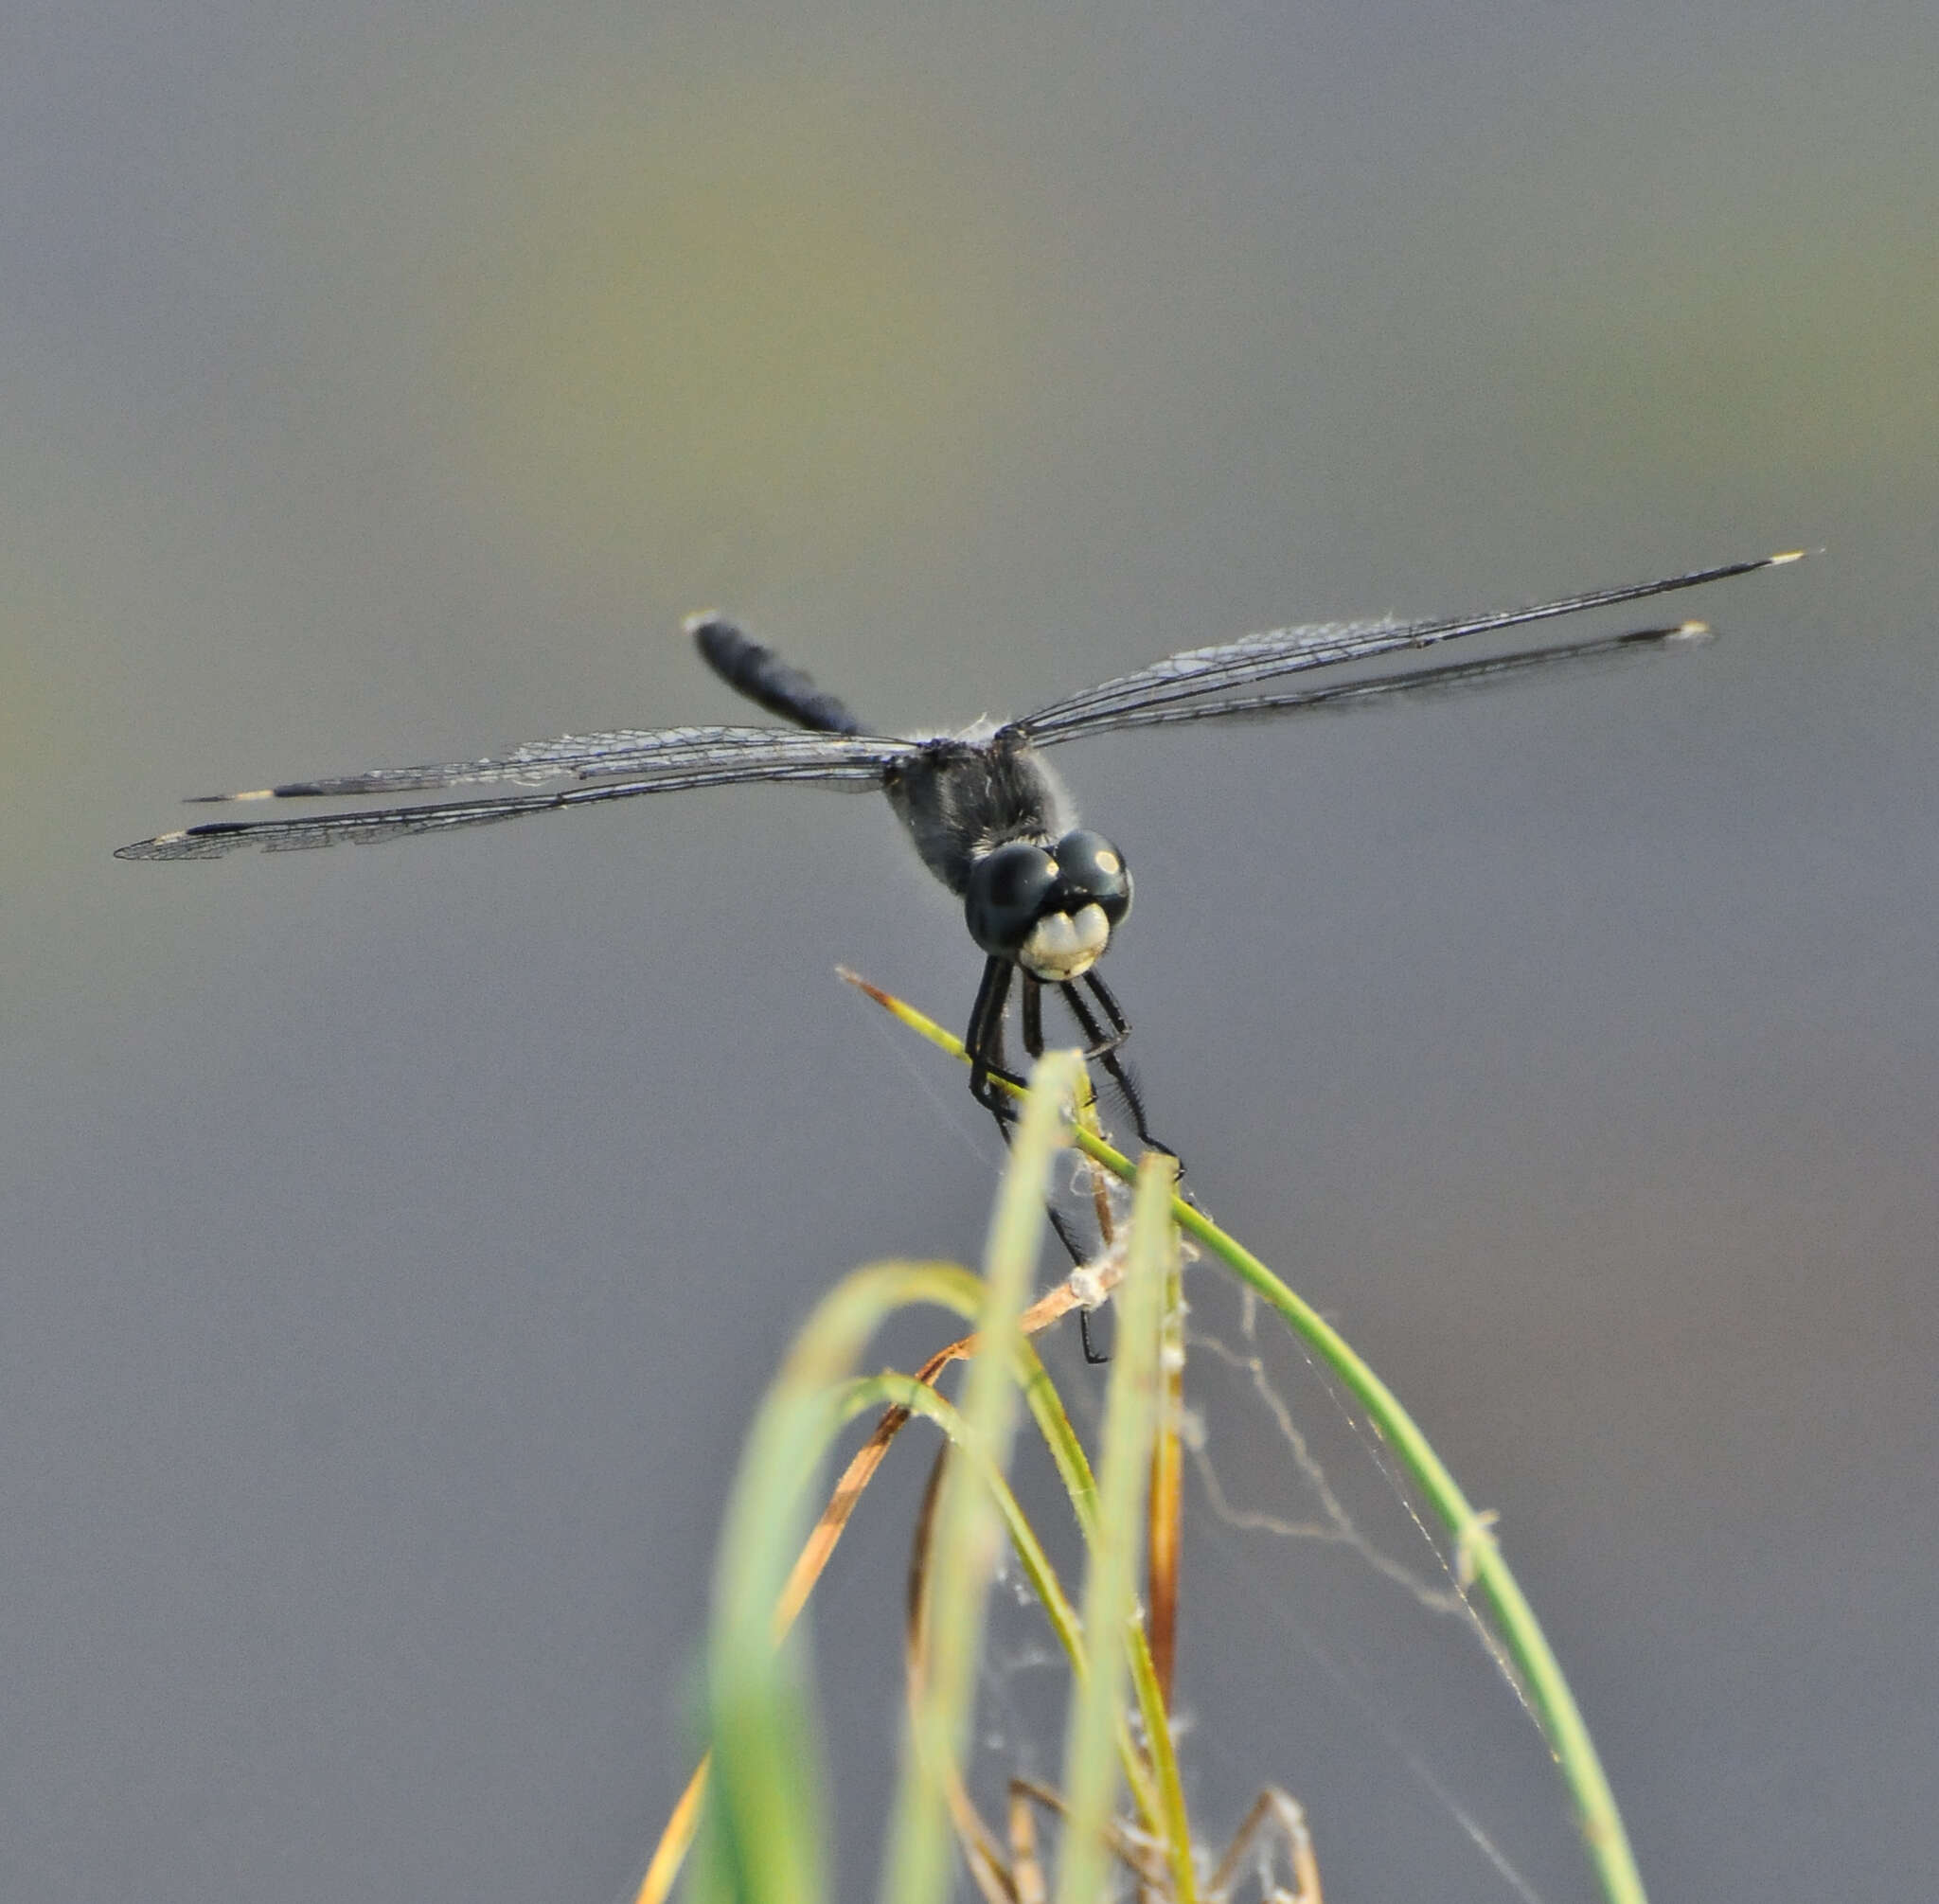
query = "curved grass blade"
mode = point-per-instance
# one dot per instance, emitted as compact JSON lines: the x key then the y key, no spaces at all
{"x":1130,"y":1418}
{"x":917,"y":1869}
{"x":891,"y":1287}
{"x":1479,"y":1553}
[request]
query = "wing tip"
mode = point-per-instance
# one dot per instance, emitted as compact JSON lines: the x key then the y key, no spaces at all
{"x":163,"y":846}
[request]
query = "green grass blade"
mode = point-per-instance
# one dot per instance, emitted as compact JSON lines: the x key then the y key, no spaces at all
{"x":1060,"y":1612}
{"x":1130,"y":1418}
{"x":1478,"y":1554}
{"x":1479,"y":1562}
{"x":968,"y":1530}
{"x":760,"y":1833}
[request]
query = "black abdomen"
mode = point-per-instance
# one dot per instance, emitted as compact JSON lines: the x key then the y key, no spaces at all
{"x":760,"y":674}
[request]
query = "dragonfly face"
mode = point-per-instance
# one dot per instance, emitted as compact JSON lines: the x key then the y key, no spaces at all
{"x":1053,"y":909}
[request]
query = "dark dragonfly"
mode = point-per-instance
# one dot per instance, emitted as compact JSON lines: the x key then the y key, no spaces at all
{"x":1041,"y":895}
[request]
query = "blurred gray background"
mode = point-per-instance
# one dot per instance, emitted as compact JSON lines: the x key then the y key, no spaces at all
{"x":392,"y":1240}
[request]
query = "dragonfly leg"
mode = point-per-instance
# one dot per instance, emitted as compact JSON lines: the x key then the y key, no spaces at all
{"x":1033,"y":1045}
{"x":1104,"y":1048}
{"x":1033,"y":1015}
{"x":984,"y":1042}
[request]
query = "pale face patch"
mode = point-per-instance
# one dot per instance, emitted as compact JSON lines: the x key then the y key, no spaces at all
{"x":1063,"y":946}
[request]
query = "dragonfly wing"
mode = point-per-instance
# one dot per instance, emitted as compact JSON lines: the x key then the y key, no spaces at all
{"x":1231,"y":665}
{"x":626,"y":751}
{"x":671,"y":760}
{"x":1386,"y":690}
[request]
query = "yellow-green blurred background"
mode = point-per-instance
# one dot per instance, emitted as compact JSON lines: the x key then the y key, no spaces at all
{"x":391,"y":1239}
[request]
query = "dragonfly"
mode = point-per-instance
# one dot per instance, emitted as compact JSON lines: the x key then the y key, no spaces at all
{"x":1043,"y":897}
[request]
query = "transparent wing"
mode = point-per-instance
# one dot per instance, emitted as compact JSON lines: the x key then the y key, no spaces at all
{"x":619,"y":766}
{"x":626,"y":751}
{"x":1198,"y":671}
{"x":1424,"y":683}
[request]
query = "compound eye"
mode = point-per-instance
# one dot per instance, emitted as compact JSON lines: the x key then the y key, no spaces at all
{"x":1006,"y":895}
{"x":1095,"y":874}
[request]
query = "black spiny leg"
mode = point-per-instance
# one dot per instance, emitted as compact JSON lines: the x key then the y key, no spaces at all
{"x":1032,"y":1045}
{"x":1105,"y":1048}
{"x":984,"y":1042}
{"x":1033,"y":1015}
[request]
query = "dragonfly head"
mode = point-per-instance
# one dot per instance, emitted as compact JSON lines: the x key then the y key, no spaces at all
{"x":1052,"y":908}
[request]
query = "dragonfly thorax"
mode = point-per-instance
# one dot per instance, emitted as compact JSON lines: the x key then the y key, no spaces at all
{"x":961,"y":798}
